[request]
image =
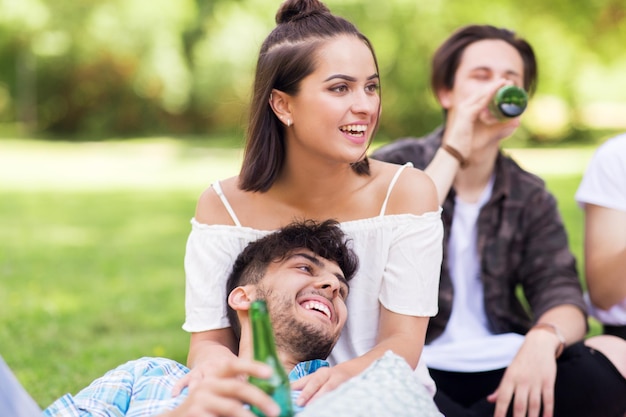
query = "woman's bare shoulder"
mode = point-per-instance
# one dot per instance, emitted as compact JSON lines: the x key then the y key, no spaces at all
{"x":413,"y":192}
{"x":210,"y":208}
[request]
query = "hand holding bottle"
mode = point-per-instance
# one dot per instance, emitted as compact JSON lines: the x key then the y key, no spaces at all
{"x":464,"y":110}
{"x":225,"y":393}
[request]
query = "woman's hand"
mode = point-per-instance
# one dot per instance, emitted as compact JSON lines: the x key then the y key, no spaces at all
{"x":208,"y":352}
{"x":318,"y":383}
{"x":206,"y":369}
{"x":198,"y":374}
{"x":401,"y":334}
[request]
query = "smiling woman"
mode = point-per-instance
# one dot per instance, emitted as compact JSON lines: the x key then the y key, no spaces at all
{"x":346,"y":106}
{"x":314,"y":111}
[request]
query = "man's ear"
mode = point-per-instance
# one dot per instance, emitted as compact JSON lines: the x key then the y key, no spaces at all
{"x":444,"y":96}
{"x":240,"y":298}
{"x":279,"y":102}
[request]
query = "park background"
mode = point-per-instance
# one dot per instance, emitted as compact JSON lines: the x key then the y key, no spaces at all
{"x":116,"y":114}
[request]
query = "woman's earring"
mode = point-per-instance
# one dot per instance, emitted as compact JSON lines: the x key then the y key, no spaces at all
{"x":288,"y":122}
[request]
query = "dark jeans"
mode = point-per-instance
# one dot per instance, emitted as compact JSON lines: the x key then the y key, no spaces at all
{"x":619,"y":331}
{"x":587,"y":385}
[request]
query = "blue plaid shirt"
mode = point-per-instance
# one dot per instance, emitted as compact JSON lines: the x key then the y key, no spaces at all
{"x":142,"y":388}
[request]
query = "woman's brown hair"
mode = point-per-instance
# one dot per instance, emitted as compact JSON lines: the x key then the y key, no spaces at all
{"x":286,"y":57}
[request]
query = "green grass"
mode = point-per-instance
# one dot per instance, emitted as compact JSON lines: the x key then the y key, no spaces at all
{"x":92,"y":239}
{"x":90,"y":280}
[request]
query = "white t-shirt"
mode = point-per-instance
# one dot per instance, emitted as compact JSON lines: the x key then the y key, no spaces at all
{"x":399,"y":266}
{"x":604,"y":184}
{"x":467,"y":344}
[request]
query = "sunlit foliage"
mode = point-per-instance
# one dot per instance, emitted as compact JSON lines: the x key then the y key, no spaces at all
{"x":185,"y":66}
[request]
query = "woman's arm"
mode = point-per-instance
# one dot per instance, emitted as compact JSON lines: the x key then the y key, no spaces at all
{"x":403,"y":335}
{"x":207,"y":351}
{"x":208,"y":250}
{"x":221,"y":342}
{"x":605,"y":255}
{"x":415,"y":256}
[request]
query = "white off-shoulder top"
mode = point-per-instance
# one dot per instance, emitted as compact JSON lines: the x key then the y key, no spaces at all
{"x":399,"y":266}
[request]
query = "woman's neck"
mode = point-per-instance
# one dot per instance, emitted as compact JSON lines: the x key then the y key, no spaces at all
{"x":315,"y":189}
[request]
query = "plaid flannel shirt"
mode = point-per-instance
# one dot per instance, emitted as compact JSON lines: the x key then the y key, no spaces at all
{"x":522,"y":243}
{"x":141,"y":388}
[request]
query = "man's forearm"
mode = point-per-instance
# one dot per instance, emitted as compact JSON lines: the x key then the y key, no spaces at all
{"x":568,"y":322}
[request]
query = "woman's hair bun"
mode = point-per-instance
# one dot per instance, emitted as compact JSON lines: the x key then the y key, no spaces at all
{"x":292,"y":10}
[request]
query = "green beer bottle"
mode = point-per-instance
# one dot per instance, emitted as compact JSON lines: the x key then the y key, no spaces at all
{"x":277,"y":386}
{"x":509,"y":101}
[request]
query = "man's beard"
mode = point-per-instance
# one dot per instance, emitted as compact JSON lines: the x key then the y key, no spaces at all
{"x":303,"y":341}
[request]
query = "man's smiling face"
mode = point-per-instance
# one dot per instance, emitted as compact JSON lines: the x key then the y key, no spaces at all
{"x":305,"y":295}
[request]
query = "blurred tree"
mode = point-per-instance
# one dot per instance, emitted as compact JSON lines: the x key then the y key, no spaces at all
{"x":101,"y":65}
{"x":186,"y":66}
{"x":578,"y":48}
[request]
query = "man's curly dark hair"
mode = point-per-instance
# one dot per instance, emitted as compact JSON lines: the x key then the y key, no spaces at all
{"x":325,"y":239}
